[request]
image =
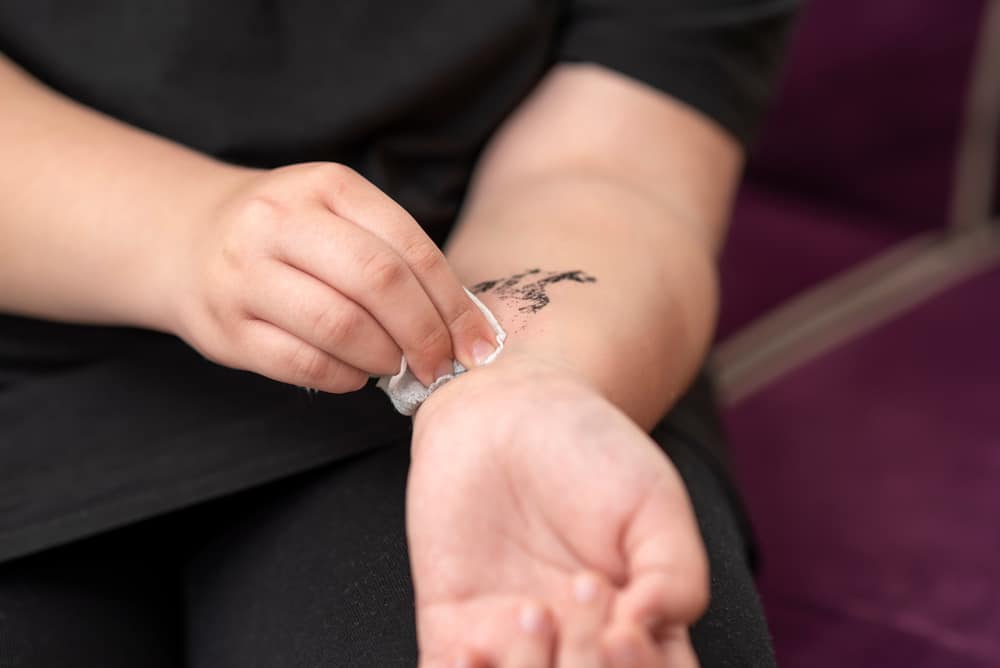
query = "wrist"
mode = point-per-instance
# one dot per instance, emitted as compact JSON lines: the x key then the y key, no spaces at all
{"x":581,"y":338}
{"x":175,"y":265}
{"x":514,"y":374}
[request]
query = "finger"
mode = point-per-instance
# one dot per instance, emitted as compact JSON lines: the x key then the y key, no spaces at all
{"x":585,"y":618}
{"x":314,"y":312}
{"x":462,"y":659}
{"x":531,"y":647}
{"x":277,"y":354}
{"x":678,"y":652}
{"x":628,"y":646}
{"x":668,"y":570}
{"x":356,"y":199}
{"x":663,"y":596}
{"x":364,"y":269}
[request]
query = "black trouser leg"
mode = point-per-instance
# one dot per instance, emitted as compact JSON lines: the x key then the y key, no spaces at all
{"x":315,"y":572}
{"x":312,"y":572}
{"x":108,"y":602}
{"x":733,"y":633}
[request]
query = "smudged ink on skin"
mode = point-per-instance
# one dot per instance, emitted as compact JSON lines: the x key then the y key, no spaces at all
{"x":530,"y":287}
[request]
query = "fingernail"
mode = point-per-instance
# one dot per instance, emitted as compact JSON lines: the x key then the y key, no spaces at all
{"x":462,"y":662}
{"x":532,"y":619}
{"x":481,"y":351}
{"x":445,"y":368}
{"x":585,"y":588}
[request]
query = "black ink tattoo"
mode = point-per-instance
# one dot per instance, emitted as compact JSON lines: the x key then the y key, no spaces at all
{"x":530,"y":287}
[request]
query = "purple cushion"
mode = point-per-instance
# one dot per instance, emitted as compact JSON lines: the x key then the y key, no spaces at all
{"x":872,"y":476}
{"x":858,"y":150}
{"x":873,"y":472}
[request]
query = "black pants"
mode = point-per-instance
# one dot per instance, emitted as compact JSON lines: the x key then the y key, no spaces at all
{"x":308,"y":571}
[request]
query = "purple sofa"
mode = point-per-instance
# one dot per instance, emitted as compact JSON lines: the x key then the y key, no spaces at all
{"x":859,"y":345}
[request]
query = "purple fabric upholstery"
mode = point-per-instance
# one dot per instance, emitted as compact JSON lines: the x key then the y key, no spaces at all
{"x":873,"y":479}
{"x":862,"y":137}
{"x":872,"y":473}
{"x":779,"y":245}
{"x":996,"y":184}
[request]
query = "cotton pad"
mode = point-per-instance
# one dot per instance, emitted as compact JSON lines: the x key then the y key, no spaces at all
{"x":407,"y":393}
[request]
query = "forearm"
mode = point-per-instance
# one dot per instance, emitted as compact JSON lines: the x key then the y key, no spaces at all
{"x":641,"y":211}
{"x":639,"y":331}
{"x":88,"y":205}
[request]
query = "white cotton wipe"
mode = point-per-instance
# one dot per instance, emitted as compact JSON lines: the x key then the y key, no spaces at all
{"x":407,"y":393}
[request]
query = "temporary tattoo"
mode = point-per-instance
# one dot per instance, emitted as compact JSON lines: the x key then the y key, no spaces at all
{"x":530,"y":288}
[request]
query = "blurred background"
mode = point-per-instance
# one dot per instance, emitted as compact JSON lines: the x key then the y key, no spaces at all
{"x":859,"y":347}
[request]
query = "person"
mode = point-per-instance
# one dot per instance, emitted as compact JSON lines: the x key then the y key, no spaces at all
{"x":205,"y":207}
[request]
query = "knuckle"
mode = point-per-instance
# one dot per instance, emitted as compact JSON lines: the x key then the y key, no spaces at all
{"x":465,"y":319}
{"x":431,"y":341}
{"x":256,"y":220}
{"x":237,"y":261}
{"x":310,"y":366}
{"x":337,"y":325}
{"x":260,"y":209}
{"x":382,"y":270}
{"x":330,"y":176}
{"x":424,"y":256}
{"x":233,"y":256}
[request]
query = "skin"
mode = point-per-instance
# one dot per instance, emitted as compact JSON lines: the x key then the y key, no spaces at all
{"x":307,"y":274}
{"x":547,"y":510}
{"x":536,"y":469}
{"x":530,"y":475}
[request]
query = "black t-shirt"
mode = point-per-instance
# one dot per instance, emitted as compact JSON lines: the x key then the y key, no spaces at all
{"x":102,"y":426}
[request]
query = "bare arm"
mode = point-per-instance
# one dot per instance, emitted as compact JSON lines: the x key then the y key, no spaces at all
{"x":307,"y":274}
{"x":528,"y":474}
{"x":599,"y":173}
{"x":87,"y":207}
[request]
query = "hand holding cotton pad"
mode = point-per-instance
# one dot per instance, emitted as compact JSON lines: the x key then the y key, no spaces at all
{"x":407,"y":393}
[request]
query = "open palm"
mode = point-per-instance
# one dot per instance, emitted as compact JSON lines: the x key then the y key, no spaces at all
{"x":546,"y":529}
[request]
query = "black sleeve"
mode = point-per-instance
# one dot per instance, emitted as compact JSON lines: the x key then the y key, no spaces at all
{"x":718,"y":56}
